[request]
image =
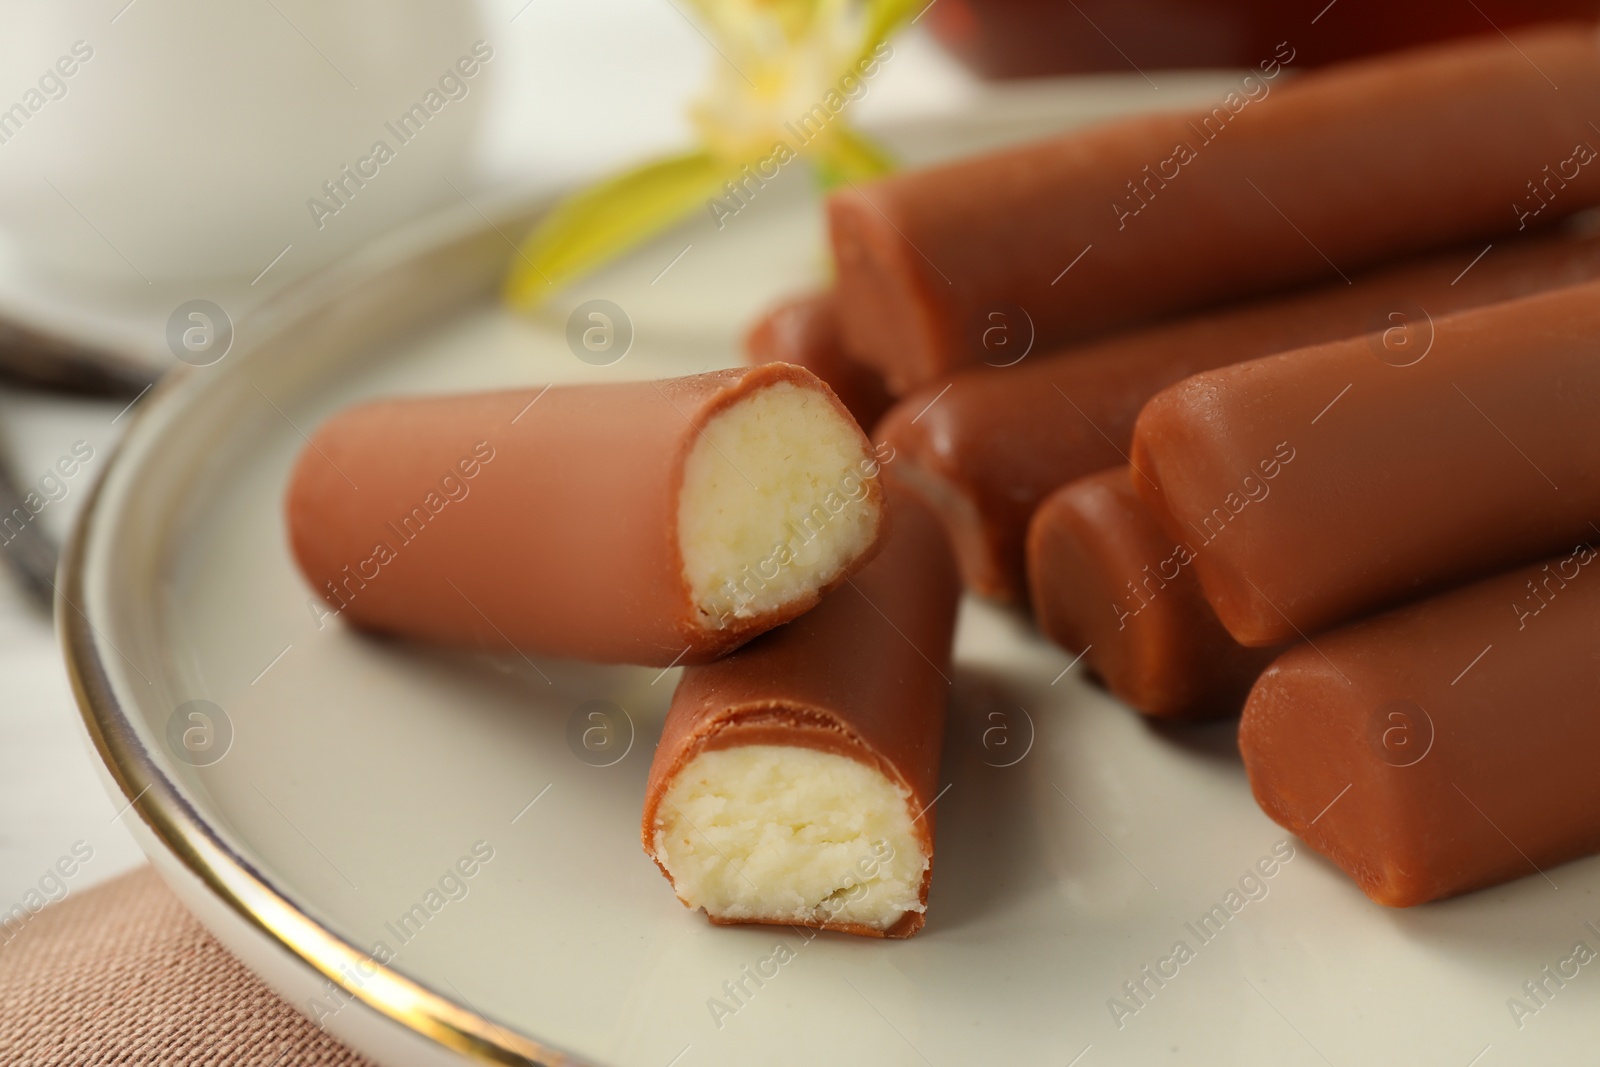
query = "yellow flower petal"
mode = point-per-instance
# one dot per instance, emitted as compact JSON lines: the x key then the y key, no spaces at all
{"x":591,"y":226}
{"x":778,"y":60}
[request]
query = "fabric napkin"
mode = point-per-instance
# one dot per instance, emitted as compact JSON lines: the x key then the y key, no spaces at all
{"x":121,"y":974}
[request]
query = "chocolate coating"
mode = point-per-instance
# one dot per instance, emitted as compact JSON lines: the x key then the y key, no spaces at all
{"x":986,"y":452}
{"x":544,"y":520}
{"x":1347,"y":166}
{"x":1324,"y":483}
{"x":805,"y":331}
{"x":1447,"y":745}
{"x":863,"y":675}
{"x":1108,"y":582}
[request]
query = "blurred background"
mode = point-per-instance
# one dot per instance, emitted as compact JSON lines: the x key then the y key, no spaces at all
{"x":162,"y":155}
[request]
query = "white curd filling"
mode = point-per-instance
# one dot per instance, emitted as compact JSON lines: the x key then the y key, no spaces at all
{"x":789,"y":834}
{"x":775,"y":503}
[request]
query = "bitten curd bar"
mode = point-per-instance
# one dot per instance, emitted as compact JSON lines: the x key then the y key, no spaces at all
{"x":795,"y":779}
{"x":649,"y":522}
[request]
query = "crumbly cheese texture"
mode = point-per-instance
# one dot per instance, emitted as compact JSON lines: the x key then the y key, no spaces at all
{"x":780,"y":833}
{"x":775,"y":504}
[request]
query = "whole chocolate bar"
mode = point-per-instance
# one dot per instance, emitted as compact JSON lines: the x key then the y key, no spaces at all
{"x":638,"y":522}
{"x":1325,"y":483}
{"x":989,"y":446}
{"x":1107,"y":582}
{"x":1447,"y":745}
{"x":795,"y":779}
{"x":1281,"y":183}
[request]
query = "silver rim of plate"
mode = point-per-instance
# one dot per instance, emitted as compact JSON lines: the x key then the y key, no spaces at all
{"x":408,"y":280}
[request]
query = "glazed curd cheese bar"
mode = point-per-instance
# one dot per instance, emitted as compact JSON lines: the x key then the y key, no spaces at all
{"x":1107,"y":582}
{"x":1444,"y":746}
{"x":1279,"y":184}
{"x":805,"y":331}
{"x":647,"y":522}
{"x":987,"y":447}
{"x":795,"y":779}
{"x":1322,"y":484}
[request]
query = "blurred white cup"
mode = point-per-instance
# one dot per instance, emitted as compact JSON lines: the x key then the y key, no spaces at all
{"x":174,"y":140}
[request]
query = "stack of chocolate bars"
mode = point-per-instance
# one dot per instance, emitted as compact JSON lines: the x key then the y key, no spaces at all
{"x":1299,"y":419}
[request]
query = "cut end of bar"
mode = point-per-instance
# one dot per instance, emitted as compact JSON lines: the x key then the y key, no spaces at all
{"x":779,"y":500}
{"x":783,"y":834}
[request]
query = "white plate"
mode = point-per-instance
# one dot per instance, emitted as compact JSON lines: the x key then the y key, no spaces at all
{"x":1076,"y":843}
